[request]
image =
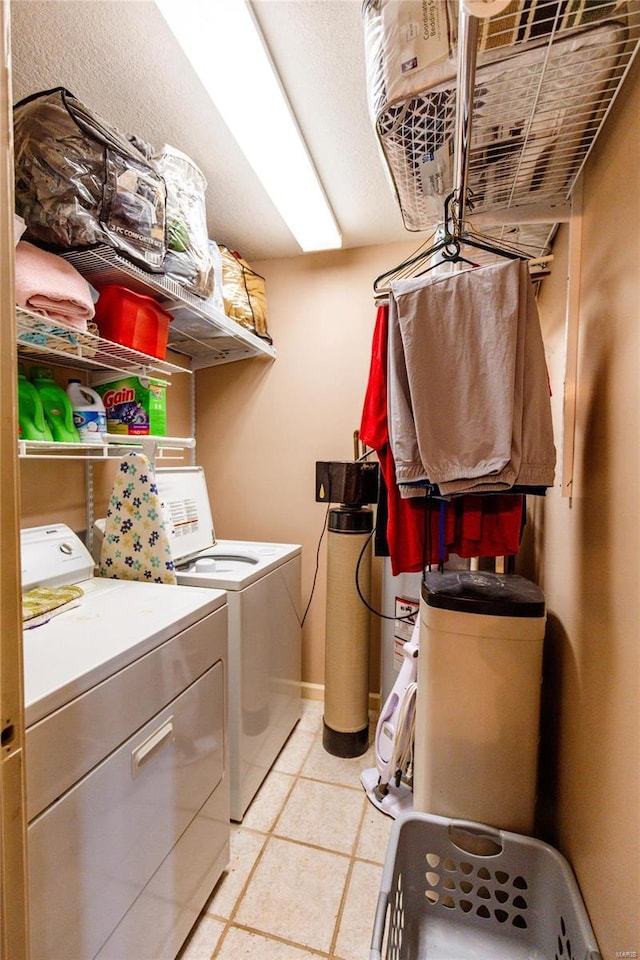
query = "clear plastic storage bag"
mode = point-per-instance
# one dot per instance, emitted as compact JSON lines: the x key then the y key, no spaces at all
{"x":188,"y":260}
{"x":80,"y":182}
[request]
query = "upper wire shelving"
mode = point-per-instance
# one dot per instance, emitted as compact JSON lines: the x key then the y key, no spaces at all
{"x":60,"y":344}
{"x":545,"y":76}
{"x":197,"y":330}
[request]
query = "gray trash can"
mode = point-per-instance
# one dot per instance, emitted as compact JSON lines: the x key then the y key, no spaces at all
{"x":478,"y":700}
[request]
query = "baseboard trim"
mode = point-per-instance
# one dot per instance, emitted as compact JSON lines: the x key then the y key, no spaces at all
{"x":315,"y":691}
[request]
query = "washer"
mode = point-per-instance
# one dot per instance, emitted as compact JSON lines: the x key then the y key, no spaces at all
{"x":127,"y":788}
{"x":262,"y":581}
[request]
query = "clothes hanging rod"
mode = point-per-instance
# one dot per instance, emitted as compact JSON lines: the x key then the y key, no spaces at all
{"x":465,"y":89}
{"x":467,"y":55}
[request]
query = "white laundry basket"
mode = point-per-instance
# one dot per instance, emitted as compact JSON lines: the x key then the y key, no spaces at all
{"x":478,"y":702}
{"x":455,"y":890}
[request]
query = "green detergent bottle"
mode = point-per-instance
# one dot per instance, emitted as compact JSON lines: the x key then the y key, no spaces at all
{"x":56,"y":404}
{"x":32,"y":424}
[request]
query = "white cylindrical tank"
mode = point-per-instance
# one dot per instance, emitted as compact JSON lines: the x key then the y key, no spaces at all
{"x":478,"y":702}
{"x":346,"y":684}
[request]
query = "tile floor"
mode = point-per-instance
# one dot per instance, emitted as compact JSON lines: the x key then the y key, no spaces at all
{"x":306,"y":862}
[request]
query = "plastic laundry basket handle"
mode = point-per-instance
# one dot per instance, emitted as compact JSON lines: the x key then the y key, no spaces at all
{"x":475,"y":839}
{"x":375,"y":953}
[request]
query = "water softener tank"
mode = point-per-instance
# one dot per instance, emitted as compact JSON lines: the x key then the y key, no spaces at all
{"x":346,"y":684}
{"x":478,"y":701}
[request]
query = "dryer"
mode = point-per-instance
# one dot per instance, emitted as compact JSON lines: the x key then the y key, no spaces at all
{"x":126,"y":758}
{"x":262,"y":581}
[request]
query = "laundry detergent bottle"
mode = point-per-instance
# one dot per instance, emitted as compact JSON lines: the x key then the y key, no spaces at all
{"x":56,"y":404}
{"x":32,"y":424}
{"x":89,"y":415}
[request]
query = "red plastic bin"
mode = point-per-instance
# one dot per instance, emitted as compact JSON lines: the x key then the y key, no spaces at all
{"x":133,"y":320}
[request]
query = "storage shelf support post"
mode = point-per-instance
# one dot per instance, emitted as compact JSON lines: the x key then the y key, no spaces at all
{"x":467,"y":47}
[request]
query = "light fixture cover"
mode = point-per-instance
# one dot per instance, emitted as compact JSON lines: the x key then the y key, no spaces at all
{"x":225,"y":47}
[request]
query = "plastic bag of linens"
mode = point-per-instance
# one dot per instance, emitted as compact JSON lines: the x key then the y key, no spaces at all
{"x":216,"y":299}
{"x":244,"y":293}
{"x":80,"y":182}
{"x":188,"y":261}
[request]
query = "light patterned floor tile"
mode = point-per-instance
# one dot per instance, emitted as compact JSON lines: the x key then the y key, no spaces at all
{"x":268,"y":802}
{"x":324,"y":766}
{"x":311,"y":718}
{"x":295,"y":894}
{"x":356,"y":924}
{"x":244,"y":945}
{"x":323,"y":814}
{"x":314,"y":805}
{"x":245,"y":847}
{"x":374,"y":835}
{"x":203,"y":940}
{"x":294,"y":752}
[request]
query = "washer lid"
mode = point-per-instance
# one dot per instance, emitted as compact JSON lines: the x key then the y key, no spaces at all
{"x":187,"y":514}
{"x":489,"y":594}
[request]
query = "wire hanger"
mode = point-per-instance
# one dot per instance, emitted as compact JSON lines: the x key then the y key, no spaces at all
{"x":455,"y":231}
{"x":451,"y":238}
{"x":450,"y":253}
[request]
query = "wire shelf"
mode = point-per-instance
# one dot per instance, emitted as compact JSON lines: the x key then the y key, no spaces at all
{"x":197,"y":330}
{"x":110,"y":445}
{"x":547,"y":74}
{"x":60,"y":344}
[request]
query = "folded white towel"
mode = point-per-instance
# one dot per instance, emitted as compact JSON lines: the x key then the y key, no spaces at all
{"x":48,"y":284}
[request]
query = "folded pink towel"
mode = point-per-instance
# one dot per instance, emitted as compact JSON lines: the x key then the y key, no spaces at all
{"x":50,"y":285}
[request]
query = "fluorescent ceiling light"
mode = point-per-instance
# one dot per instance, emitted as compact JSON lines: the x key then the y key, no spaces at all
{"x":223,"y":42}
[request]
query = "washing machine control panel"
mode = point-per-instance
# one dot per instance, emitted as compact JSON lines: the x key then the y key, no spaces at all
{"x":53,"y":556}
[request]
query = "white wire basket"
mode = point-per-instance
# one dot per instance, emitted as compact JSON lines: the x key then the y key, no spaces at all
{"x":547,"y":74}
{"x":456,"y":890}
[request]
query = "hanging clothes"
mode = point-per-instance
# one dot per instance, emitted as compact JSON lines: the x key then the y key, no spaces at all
{"x":412,"y":527}
{"x":422,"y":531}
{"x":469,"y":406}
{"x":488,"y":525}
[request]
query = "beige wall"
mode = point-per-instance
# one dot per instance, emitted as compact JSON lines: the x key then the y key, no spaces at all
{"x":587,"y":549}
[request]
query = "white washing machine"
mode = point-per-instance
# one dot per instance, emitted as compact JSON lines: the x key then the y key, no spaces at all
{"x":126,"y":754}
{"x":263,"y":587}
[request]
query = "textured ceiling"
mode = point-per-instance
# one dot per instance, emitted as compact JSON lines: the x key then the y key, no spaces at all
{"x":120,"y":58}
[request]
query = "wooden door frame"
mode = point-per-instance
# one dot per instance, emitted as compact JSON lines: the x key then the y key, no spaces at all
{"x":13,"y":838}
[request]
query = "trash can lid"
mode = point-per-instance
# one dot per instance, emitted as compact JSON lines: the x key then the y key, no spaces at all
{"x":489,"y":594}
